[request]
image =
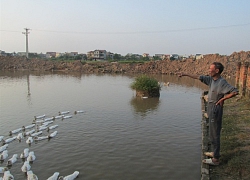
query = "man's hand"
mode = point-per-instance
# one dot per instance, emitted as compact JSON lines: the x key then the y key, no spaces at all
{"x":180,"y":74}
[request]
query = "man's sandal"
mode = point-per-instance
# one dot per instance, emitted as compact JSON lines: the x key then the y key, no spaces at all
{"x":209,"y":154}
{"x":210,"y":162}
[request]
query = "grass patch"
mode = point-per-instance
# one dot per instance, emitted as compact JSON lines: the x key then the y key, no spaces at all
{"x":145,"y":83}
{"x":235,"y":141}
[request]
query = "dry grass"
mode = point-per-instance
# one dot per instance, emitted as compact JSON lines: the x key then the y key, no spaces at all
{"x":235,"y":142}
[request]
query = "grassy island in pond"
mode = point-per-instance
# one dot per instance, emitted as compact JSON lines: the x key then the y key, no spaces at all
{"x":146,"y":86}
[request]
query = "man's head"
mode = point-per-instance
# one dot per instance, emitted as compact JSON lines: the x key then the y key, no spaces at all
{"x":216,"y":69}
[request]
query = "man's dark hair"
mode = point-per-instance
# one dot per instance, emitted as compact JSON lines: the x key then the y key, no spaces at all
{"x":219,"y":66}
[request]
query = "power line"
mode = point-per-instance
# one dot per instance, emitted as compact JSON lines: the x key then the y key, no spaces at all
{"x":139,"y":32}
{"x":148,"y":32}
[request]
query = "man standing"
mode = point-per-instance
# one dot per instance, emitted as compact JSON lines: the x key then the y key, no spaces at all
{"x":219,"y":91}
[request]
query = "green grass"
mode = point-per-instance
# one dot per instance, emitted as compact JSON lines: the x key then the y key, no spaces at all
{"x":235,"y":141}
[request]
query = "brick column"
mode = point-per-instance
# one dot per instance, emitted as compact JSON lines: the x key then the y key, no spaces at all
{"x":248,"y":81}
{"x":244,"y":82}
{"x":237,"y":80}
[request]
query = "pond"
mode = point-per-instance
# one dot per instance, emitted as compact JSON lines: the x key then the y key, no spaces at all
{"x":118,"y":136}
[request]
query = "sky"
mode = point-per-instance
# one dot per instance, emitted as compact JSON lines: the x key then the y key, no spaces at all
{"x":181,"y":27}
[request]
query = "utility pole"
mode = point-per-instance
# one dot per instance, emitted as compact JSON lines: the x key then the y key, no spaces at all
{"x":26,"y":34}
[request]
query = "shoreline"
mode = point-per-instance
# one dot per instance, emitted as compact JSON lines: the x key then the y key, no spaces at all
{"x":199,"y":66}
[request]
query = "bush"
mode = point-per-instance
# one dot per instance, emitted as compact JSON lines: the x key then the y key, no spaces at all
{"x":145,"y":83}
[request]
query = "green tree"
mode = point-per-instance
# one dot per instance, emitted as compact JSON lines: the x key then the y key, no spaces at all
{"x":117,"y":57}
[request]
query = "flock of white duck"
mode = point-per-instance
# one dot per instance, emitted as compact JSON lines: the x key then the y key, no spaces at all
{"x":31,"y":133}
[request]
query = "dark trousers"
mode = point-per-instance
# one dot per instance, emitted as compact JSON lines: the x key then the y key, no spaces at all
{"x":215,"y":113}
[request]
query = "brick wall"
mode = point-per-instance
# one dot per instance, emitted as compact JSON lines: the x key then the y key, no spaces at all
{"x":243,"y":78}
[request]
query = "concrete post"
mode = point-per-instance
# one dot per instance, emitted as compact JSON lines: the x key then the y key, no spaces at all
{"x":26,"y":34}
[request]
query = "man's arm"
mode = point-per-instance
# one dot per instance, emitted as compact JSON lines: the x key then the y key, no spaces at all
{"x":180,"y":74}
{"x":227,"y":96}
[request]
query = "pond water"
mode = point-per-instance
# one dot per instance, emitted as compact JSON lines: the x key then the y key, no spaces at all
{"x":119,"y":136}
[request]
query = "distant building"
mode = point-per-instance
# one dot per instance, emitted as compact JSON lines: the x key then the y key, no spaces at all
{"x":73,"y":54}
{"x":90,"y":55}
{"x":145,"y":55}
{"x":166,"y":56}
{"x":198,"y":56}
{"x":174,"y":57}
{"x":2,"y":53}
{"x":162,"y":56}
{"x":110,"y":55}
{"x":100,"y":54}
{"x":41,"y":55}
{"x":50,"y":54}
{"x":21,"y":54}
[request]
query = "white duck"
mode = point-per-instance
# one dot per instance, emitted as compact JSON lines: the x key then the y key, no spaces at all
{"x":64,"y":112}
{"x":79,"y":111}
{"x":48,"y":119}
{"x":47,"y":123}
{"x":29,"y":132}
{"x":37,"y":121}
{"x":40,"y":128}
{"x":1,"y":138}
{"x":28,"y":127}
{"x":31,"y":157}
{"x":29,"y":140}
{"x":40,"y":138}
{"x":52,"y":134}
{"x":40,"y":117}
{"x":7,"y":176}
{"x":3,"y":169}
{"x":36,"y":134}
{"x":66,"y":117}
{"x":71,"y":176}
{"x":12,"y":160}
{"x":25,"y":153}
{"x":26,"y":166}
{"x":4,"y":155}
{"x":15,"y":131}
{"x":9,"y":140}
{"x":2,"y":148}
{"x":58,"y":117}
{"x":54,"y":176}
{"x":20,"y":136}
{"x":31,"y":176}
{"x":52,"y":127}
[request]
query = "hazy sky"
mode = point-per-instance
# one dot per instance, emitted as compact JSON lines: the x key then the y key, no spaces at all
{"x":126,"y":26}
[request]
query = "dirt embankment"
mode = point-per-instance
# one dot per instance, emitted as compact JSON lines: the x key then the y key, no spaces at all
{"x":155,"y":67}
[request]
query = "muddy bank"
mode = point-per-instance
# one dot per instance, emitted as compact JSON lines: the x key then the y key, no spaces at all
{"x":154,"y":67}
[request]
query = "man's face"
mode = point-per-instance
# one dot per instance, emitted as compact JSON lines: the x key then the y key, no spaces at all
{"x":213,"y":71}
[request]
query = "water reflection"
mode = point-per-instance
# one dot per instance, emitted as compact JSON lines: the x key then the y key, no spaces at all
{"x":143,"y":106}
{"x":110,"y":140}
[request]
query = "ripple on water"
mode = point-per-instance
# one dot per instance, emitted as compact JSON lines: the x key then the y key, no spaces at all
{"x":113,"y":139}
